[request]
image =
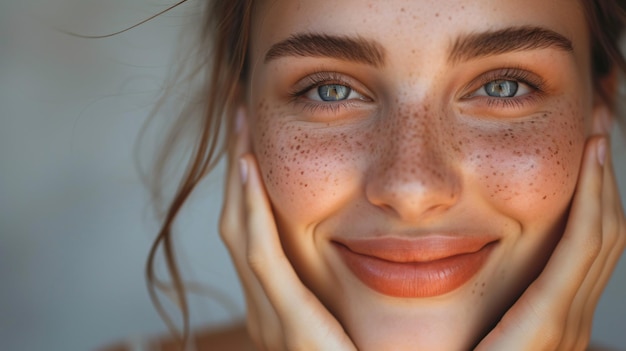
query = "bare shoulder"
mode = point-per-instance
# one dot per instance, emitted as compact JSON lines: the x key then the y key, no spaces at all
{"x":230,"y":338}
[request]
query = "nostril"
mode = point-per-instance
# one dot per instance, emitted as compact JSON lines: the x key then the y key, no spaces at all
{"x":411,"y":199}
{"x":436,"y":209}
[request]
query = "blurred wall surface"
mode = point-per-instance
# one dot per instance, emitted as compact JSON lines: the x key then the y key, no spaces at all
{"x":76,"y":222}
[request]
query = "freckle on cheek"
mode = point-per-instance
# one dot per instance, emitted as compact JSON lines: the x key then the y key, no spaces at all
{"x":526,"y":151}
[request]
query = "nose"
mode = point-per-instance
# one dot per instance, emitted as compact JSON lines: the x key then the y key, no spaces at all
{"x":413,"y":175}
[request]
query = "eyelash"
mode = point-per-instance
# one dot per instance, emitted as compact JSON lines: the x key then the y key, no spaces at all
{"x":516,"y":74}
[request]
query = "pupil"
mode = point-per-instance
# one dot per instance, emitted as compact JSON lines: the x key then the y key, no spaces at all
{"x":501,"y":88}
{"x":333,"y":92}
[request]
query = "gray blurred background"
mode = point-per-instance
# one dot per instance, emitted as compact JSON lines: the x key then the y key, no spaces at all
{"x":76,"y":222}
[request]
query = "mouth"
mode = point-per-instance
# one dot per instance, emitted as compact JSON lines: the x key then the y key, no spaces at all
{"x":416,"y":267}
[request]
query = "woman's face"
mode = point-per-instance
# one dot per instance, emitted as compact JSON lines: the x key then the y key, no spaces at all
{"x":420,"y":156}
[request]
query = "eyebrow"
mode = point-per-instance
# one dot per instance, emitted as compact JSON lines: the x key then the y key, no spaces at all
{"x":476,"y":45}
{"x":347,"y":48}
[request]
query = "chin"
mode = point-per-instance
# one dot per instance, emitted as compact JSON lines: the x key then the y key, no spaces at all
{"x":439,"y":331}
{"x":457,"y":320}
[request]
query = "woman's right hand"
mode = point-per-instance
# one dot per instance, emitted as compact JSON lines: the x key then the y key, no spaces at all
{"x":282,"y":314}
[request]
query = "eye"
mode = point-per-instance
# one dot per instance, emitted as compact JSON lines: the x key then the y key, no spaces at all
{"x":505,"y":91}
{"x":332,"y":92}
{"x":503,"y":88}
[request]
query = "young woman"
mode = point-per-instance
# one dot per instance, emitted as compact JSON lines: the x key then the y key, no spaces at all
{"x":413,"y":175}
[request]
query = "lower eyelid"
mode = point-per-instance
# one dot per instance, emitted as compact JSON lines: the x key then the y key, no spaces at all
{"x":523,"y":102}
{"x":329,"y":108}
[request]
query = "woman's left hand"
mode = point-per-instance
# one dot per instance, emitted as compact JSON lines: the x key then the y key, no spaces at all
{"x":556,"y":311}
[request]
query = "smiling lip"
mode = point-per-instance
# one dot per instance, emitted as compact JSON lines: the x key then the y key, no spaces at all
{"x":416,"y":267}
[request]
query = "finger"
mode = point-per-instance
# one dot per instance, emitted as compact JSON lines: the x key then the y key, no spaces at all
{"x":231,"y":228}
{"x":233,"y":232}
{"x":537,"y":319}
{"x":614,"y":240}
{"x":612,"y":228}
{"x":305,"y":321}
{"x":578,"y":327}
{"x":585,"y":302}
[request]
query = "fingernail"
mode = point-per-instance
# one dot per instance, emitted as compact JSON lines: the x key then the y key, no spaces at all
{"x":243,"y":170}
{"x":601,"y":151}
{"x":603,"y":121}
{"x":239,"y":119}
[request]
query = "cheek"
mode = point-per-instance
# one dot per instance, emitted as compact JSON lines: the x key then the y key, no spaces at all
{"x":530,"y":168}
{"x":526,"y":169}
{"x":303,"y":167}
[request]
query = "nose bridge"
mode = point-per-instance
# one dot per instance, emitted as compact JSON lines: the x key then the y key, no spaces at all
{"x":414,"y":174}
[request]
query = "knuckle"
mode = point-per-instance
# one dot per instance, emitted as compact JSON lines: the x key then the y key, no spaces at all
{"x":224,"y":229}
{"x":227,"y":229}
{"x":256,"y":262}
{"x":592,"y":246}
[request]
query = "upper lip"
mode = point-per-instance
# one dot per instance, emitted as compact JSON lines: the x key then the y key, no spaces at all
{"x":416,"y":249}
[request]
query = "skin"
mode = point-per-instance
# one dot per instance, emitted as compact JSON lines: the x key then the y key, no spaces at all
{"x":419,"y":150}
{"x":422,"y":153}
{"x":418,"y":157}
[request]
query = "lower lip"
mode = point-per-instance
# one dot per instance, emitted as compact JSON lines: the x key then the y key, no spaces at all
{"x":415,"y":279}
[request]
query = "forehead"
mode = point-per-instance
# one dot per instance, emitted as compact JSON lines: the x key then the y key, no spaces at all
{"x":403,"y":26}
